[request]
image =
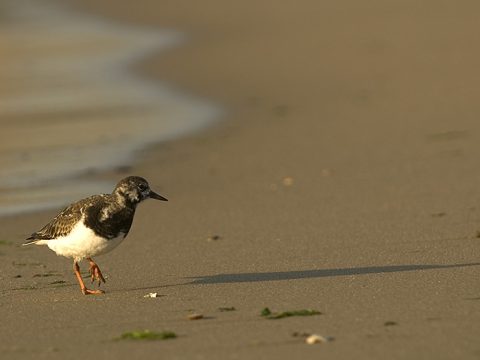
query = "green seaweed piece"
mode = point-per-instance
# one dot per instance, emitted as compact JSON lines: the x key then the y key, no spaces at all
{"x":231,"y":308}
{"x":148,"y":335}
{"x":265,"y":312}
{"x":303,"y":312}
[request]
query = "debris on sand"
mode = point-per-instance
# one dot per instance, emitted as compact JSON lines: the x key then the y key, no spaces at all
{"x":390,"y":323}
{"x":195,"y":316}
{"x":151,"y":295}
{"x":266,"y":313}
{"x":287,"y":181}
{"x":316,"y":339}
{"x":148,"y":335}
{"x":223,"y":309}
{"x":311,"y":339}
{"x":214,"y":238}
{"x":57,"y":282}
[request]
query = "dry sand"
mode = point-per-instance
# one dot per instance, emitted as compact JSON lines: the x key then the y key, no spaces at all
{"x":344,"y":179}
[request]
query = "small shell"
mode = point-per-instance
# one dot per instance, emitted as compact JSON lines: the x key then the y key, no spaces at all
{"x":314,"y":339}
{"x":151,"y":295}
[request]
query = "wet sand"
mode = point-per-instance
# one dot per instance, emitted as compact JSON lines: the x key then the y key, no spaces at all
{"x":344,"y":179}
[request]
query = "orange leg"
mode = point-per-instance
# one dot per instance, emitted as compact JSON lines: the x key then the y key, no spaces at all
{"x":84,"y":289}
{"x":95,"y":272}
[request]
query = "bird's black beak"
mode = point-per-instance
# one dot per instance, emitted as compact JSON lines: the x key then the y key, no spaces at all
{"x":154,"y":195}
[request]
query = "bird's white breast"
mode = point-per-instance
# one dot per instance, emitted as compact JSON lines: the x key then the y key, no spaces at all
{"x":82,"y":242}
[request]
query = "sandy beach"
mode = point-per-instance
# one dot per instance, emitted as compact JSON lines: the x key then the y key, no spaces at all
{"x":343,"y":178}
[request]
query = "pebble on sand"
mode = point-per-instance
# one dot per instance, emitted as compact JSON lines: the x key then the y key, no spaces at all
{"x":195,"y":316}
{"x":214,"y":238}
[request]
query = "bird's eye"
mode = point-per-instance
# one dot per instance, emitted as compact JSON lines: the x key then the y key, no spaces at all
{"x":142,"y":187}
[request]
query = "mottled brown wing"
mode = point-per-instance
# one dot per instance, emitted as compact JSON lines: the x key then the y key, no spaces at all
{"x":62,"y":224}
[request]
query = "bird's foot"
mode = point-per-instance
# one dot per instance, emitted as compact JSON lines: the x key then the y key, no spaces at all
{"x":86,"y":291}
{"x":96,"y":274}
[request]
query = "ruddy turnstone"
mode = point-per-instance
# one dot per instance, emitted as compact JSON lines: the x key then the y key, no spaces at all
{"x":94,"y":226}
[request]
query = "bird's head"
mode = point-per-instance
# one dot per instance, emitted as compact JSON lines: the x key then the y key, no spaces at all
{"x":135,"y":189}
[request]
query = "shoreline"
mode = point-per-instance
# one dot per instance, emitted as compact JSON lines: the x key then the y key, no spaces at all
{"x":80,"y":86}
{"x":339,"y":182}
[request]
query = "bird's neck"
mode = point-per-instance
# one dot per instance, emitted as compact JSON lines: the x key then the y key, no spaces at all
{"x":125,"y":199}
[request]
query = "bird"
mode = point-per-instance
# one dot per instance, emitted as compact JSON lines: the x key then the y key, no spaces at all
{"x":94,"y":226}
